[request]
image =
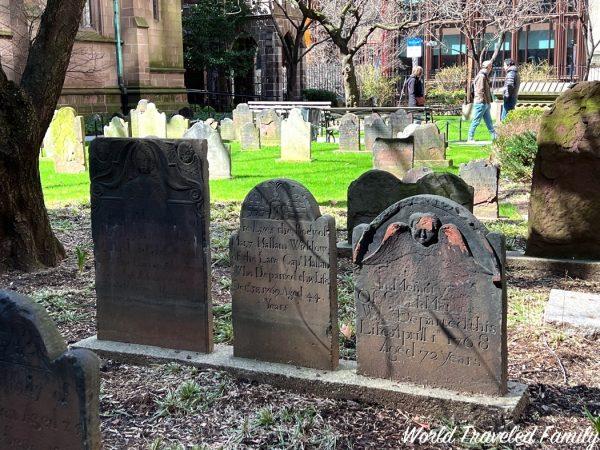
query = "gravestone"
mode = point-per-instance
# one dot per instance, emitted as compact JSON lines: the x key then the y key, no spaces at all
{"x":295,"y":137}
{"x":65,"y":141}
{"x":430,"y":146}
{"x":447,"y":185}
{"x":250,"y":137}
{"x":398,"y":121}
{"x":212,"y":123}
{"x":484,"y":177}
{"x":393,"y":155}
{"x":564,"y":217}
{"x":269,"y":124}
{"x":48,"y":394}
{"x":430,"y":298}
{"x":578,"y":311}
{"x":116,"y":128}
{"x":219,"y":157}
{"x":372,"y":193}
{"x":241,"y":116}
{"x":150,"y":214}
{"x":284,"y":265}
{"x":349,"y":133}
{"x":375,"y":128}
{"x":146,"y":121}
{"x":177,"y":127}
{"x":227,"y":130}
{"x":414,"y":175}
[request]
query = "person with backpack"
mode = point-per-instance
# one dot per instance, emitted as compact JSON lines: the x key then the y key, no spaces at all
{"x":414,"y":88}
{"x":482,"y":102}
{"x":512,"y":83}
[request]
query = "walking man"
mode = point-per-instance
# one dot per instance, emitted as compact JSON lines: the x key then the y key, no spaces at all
{"x":512,"y":83}
{"x":482,"y":101}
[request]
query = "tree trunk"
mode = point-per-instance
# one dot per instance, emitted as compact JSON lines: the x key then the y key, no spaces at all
{"x":292,"y":83}
{"x":350,"y":83}
{"x":26,"y":238}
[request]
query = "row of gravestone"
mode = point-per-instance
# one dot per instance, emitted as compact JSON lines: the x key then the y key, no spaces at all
{"x":430,"y":292}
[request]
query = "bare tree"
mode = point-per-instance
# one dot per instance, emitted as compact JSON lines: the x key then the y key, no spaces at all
{"x":351,"y":23}
{"x":27,"y":104}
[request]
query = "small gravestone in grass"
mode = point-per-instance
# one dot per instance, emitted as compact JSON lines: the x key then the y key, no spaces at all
{"x":150,"y":214}
{"x":227,"y":130}
{"x":116,"y":128}
{"x":241,"y":116}
{"x":577,"y":311}
{"x":65,"y":141}
{"x":295,"y":138}
{"x":250,"y":137}
{"x":414,"y":175}
{"x":177,"y":127}
{"x":269,"y":123}
{"x":398,"y":121}
{"x":484,"y":177}
{"x":349,"y":133}
{"x":447,"y":185}
{"x":147,"y":121}
{"x":430,"y":298}
{"x":284,"y":266}
{"x":393,"y":155}
{"x":219,"y":157}
{"x":48,"y":394}
{"x":430,"y":146}
{"x":375,"y":127}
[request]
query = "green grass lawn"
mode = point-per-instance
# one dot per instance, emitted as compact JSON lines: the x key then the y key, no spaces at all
{"x":327,"y":176}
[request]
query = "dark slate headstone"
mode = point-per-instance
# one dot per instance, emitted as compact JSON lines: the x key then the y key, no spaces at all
{"x":375,"y":128}
{"x":430,"y":298}
{"x":284,"y":267}
{"x":150,"y":214}
{"x":398,"y":121}
{"x":372,"y":193}
{"x":393,"y":155}
{"x":484,"y":177}
{"x":414,"y":175}
{"x":48,"y":394}
{"x":349,"y":133}
{"x":447,"y":185}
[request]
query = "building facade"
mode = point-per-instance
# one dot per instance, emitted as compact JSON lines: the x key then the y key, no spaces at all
{"x":152,"y":53}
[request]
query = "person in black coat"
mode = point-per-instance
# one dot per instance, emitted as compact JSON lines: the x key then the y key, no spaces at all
{"x":414,"y":88}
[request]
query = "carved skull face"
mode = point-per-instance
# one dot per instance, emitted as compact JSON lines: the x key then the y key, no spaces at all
{"x":144,"y":160}
{"x":424,"y":228}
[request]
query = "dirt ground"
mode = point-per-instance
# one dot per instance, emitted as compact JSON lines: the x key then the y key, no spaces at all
{"x":171,"y":406}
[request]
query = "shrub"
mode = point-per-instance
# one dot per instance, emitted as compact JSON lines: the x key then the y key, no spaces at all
{"x":320,"y":95}
{"x":451,"y":78}
{"x":377,"y":86}
{"x":536,"y":72}
{"x":516,"y":145}
{"x":441,"y":96}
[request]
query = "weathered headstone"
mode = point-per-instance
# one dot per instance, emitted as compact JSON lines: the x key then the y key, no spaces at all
{"x":116,"y":128}
{"x":372,"y":193}
{"x":349,"y":133}
{"x":430,"y":298}
{"x":375,"y":128}
{"x":564,"y":217}
{"x":227,"y":130}
{"x":414,"y":175}
{"x":447,"y":185}
{"x":65,"y":141}
{"x":146,"y":121}
{"x":295,"y":138}
{"x":269,"y":123}
{"x":484,"y":177}
{"x":177,"y":127}
{"x":284,"y":291}
{"x":219,"y":157}
{"x":250,"y":137}
{"x":430,"y":146}
{"x":48,"y":394}
{"x":150,"y":214}
{"x":398,"y":121}
{"x":393,"y":155}
{"x":578,"y":311}
{"x":241,"y":116}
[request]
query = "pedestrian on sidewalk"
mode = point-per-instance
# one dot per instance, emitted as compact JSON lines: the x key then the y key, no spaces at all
{"x":482,"y":102}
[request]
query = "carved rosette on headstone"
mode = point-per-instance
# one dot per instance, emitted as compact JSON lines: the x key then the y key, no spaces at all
{"x":484,"y":177}
{"x":241,"y":116}
{"x":375,"y":127}
{"x":269,"y":123}
{"x":431,"y":298}
{"x":48,"y":394}
{"x":150,"y":214}
{"x":393,"y":155}
{"x":284,"y":289}
{"x":295,"y":138}
{"x":219,"y":157}
{"x":349,"y":133}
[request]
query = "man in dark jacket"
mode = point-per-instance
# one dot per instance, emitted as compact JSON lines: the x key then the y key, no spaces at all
{"x":511,"y":87}
{"x":414,"y":88}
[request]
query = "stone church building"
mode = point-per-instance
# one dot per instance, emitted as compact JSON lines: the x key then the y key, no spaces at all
{"x":152,"y":54}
